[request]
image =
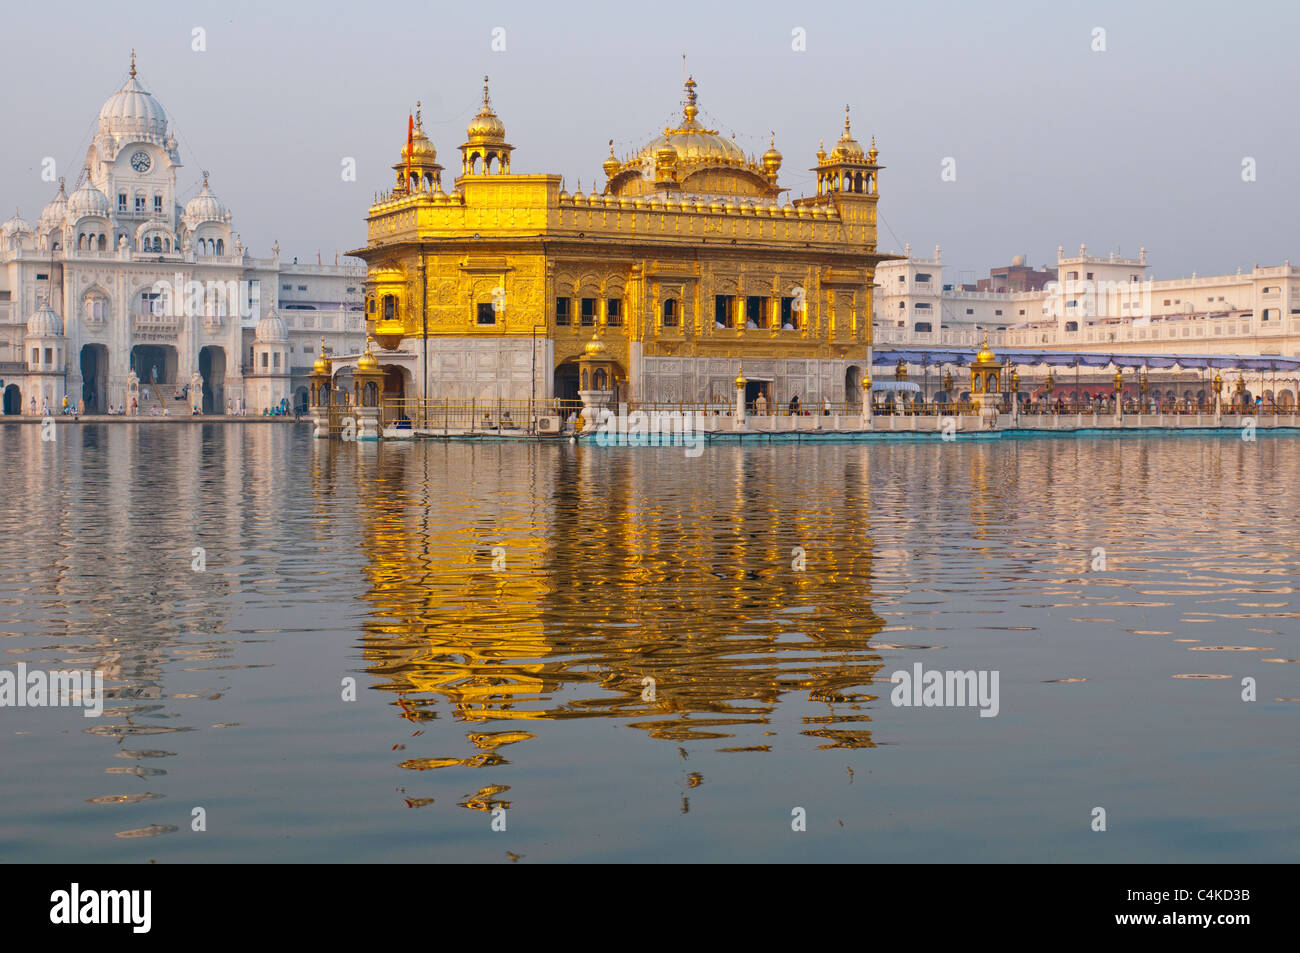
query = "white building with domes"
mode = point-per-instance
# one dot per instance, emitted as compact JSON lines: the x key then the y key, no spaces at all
{"x":81,"y":314}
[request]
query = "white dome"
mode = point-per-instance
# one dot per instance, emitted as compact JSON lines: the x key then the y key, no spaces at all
{"x":132,"y":111}
{"x":271,"y":330}
{"x":205,"y":207}
{"x":15,"y":226}
{"x":54,"y":213}
{"x":88,"y":200}
{"x":44,"y":323}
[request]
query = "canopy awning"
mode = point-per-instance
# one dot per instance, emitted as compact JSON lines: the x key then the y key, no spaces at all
{"x":911,"y":387}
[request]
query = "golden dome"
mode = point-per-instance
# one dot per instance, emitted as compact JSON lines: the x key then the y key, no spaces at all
{"x":866,"y":382}
{"x":740,"y":377}
{"x":691,"y":140}
{"x":486,"y":126}
{"x":985,"y":355}
{"x":595,"y":347}
{"x":421,"y":147}
{"x":611,"y":164}
{"x":847,"y":147}
{"x":367,"y":361}
{"x":772,"y":158}
{"x":323,"y":364}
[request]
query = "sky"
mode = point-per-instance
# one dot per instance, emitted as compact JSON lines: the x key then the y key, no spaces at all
{"x":1170,"y":129}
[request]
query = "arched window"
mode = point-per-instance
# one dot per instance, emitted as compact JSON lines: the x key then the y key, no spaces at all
{"x":103,"y":242}
{"x":1071,"y":325}
{"x":221,"y":246}
{"x":390,"y":307}
{"x":670,"y":313}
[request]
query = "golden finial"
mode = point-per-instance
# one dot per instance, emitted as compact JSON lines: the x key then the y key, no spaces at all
{"x":486,"y":99}
{"x":367,"y":361}
{"x":133,"y":62}
{"x":205,"y":178}
{"x":771,"y":143}
{"x":691,"y":110}
{"x":419,"y":122}
{"x":740,"y":377}
{"x":846,"y":120}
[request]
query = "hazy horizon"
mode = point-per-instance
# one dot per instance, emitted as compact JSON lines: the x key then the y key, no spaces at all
{"x":1054,"y":143}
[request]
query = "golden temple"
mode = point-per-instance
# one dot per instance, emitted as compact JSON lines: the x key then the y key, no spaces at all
{"x":691,"y":259}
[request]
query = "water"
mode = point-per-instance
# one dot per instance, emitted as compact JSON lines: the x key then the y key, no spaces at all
{"x":501,"y":605}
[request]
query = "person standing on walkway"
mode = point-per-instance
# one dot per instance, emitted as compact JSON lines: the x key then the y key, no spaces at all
{"x":760,"y":405}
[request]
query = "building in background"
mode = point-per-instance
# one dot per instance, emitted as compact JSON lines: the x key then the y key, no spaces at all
{"x":81,"y":313}
{"x":1098,"y":304}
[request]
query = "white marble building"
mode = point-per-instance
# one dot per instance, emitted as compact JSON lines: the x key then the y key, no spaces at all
{"x":81,"y":315}
{"x":1100,"y":303}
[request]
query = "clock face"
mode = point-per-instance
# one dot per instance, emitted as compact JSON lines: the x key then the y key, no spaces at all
{"x":141,"y":162}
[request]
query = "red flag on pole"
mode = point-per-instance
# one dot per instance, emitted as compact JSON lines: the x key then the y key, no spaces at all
{"x":410,"y":147}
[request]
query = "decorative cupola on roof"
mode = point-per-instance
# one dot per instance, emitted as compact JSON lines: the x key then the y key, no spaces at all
{"x":691,"y":158}
{"x":16,"y":226}
{"x":205,"y":207}
{"x":485,"y":141}
{"x":847,"y":170}
{"x":87,"y":202}
{"x":419,"y":160}
{"x":772,"y":160}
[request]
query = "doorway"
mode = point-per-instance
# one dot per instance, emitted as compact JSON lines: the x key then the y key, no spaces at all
{"x":212,"y":368}
{"x":566,"y":381}
{"x":94,"y":378}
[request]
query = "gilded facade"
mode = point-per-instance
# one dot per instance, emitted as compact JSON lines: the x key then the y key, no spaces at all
{"x":691,"y":260}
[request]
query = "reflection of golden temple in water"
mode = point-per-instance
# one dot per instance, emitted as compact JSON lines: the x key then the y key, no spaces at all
{"x":604,"y":585}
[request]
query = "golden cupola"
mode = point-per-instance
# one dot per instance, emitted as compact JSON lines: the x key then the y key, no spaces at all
{"x":420,"y":159}
{"x":847,"y":147}
{"x":367,"y":361}
{"x":691,"y":158}
{"x":323,"y":363}
{"x":772,"y":160}
{"x":611,"y":164}
{"x":485,"y":142}
{"x":847,"y":170}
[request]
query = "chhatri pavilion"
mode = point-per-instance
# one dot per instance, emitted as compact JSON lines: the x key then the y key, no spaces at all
{"x":690,"y":261}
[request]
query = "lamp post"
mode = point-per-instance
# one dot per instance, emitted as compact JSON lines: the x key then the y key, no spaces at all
{"x":866,"y":399}
{"x":1239,"y":392}
{"x":1119,"y":395}
{"x":1217,"y":386}
{"x":1144,"y":388}
{"x":900,"y":375}
{"x":1015,"y":394}
{"x":1049,"y":385}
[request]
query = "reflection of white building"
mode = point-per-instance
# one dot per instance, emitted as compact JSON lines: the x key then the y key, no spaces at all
{"x":80,"y":313}
{"x":1096,"y":303}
